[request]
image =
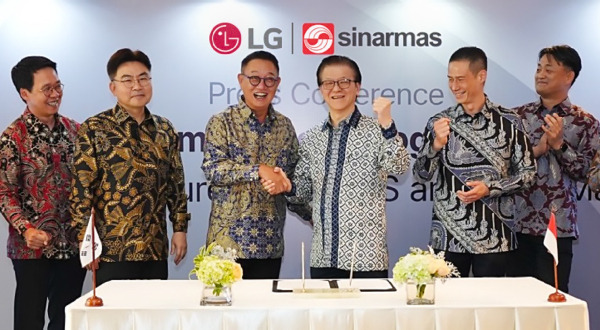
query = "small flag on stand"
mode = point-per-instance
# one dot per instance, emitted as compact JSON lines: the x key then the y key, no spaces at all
{"x":551,"y":243}
{"x":91,"y":248}
{"x":550,"y":240}
{"x":86,"y":254}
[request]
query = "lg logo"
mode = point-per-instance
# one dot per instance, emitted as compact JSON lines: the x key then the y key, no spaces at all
{"x":226,"y":38}
{"x":317,"y":38}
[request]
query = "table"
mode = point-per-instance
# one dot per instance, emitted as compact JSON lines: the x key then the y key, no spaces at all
{"x":461,"y":304}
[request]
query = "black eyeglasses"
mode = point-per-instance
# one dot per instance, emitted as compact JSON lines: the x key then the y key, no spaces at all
{"x":255,"y":80}
{"x":342,"y":83}
{"x":129,"y":82}
{"x":49,"y":89}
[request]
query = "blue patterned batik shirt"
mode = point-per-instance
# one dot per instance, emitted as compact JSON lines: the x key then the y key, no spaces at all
{"x":343,"y":173}
{"x":490,"y":147}
{"x":243,"y":215}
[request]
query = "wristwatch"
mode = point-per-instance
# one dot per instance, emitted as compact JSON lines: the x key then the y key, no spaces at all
{"x":564,"y":146}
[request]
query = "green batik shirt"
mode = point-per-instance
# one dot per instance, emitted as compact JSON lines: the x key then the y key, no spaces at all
{"x":130,"y":173}
{"x":243,"y":215}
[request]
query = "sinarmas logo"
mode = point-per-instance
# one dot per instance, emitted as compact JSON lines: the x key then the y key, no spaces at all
{"x":225,"y":38}
{"x":317,"y":38}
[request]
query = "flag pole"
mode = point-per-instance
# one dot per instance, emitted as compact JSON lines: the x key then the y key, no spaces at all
{"x":556,"y":296}
{"x":94,"y":301}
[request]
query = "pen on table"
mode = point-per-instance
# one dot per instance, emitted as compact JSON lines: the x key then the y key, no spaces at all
{"x":352,"y":262}
{"x":303,"y":280}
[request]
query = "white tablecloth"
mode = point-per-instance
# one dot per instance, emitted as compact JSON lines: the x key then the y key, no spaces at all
{"x":461,"y":304}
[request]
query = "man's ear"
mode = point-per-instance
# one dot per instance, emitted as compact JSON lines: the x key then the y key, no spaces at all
{"x":112,"y":87}
{"x":24,"y":93}
{"x":482,"y":76}
{"x":570,"y":77}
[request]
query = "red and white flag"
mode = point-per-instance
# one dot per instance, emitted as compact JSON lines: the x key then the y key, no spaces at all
{"x":85,"y":253}
{"x":550,"y":240}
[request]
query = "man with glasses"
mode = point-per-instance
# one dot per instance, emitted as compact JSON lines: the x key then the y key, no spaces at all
{"x":128,"y":169}
{"x":244,"y":144}
{"x":478,"y":156}
{"x":342,"y":172}
{"x":36,"y":153}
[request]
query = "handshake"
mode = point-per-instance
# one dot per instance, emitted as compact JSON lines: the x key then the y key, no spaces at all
{"x":274,"y":179}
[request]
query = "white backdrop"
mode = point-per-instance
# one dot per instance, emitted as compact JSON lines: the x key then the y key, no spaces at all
{"x":192,"y":81}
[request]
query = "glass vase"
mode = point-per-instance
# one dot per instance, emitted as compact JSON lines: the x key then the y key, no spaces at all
{"x":420,"y":293}
{"x":214,"y":295}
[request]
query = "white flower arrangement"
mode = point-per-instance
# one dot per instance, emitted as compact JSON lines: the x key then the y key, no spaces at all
{"x":216,"y":267}
{"x":423,"y":266}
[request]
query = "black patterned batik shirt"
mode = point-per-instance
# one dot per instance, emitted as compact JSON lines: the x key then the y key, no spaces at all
{"x":130,"y":173}
{"x":35,"y":181}
{"x":343,"y":173}
{"x":243,"y":215}
{"x":490,"y":147}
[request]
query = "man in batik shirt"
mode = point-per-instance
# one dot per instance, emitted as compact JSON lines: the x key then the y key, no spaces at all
{"x":565,"y":138}
{"x":243,"y":145}
{"x":343,"y":171}
{"x":128,"y":169}
{"x":36,"y":152}
{"x":479,"y":157}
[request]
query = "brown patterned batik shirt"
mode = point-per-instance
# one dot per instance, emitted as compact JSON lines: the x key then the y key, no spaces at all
{"x":129,"y":172}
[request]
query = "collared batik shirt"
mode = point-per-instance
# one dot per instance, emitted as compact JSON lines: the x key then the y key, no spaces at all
{"x":243,"y":215}
{"x":558,"y":171}
{"x":130,"y":173}
{"x":35,"y":181}
{"x":343,"y":173}
{"x":594,"y":173}
{"x":490,"y":147}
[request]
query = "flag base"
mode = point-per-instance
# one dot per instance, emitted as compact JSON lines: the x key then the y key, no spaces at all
{"x":557,"y":297}
{"x":94,"y":302}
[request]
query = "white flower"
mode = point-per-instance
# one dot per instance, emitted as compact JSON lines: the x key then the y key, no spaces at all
{"x":444,"y":269}
{"x":422,"y":266}
{"x":216,"y":266}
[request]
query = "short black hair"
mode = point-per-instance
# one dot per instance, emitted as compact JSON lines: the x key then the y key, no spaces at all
{"x":339,"y":60}
{"x":260,"y":55}
{"x":22,"y":72}
{"x":564,"y":55}
{"x":126,"y":55}
{"x":476,"y":57}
